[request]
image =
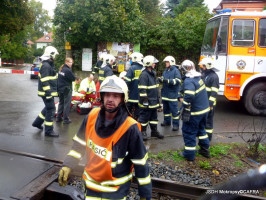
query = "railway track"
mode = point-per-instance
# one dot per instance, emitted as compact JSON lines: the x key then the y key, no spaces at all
{"x":45,"y":186}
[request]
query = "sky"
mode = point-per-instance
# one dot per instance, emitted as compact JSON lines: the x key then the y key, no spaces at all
{"x":50,"y":4}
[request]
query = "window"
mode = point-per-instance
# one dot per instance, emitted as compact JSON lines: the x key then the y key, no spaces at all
{"x":210,"y":36}
{"x":243,"y":32}
{"x":262,"y":33}
{"x":222,"y":39}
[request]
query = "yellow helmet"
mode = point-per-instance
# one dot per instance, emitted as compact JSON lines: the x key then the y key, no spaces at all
{"x":116,"y":85}
{"x":169,"y":59}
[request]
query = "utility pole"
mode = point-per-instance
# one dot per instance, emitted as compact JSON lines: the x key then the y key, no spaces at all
{"x":67,"y":44}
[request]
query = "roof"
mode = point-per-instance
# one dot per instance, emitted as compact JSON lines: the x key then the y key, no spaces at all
{"x":243,"y":13}
{"x":237,"y":2}
{"x":30,"y":42}
{"x":45,"y":39}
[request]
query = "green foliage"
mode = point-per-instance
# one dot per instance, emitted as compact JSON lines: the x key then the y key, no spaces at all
{"x":205,"y":164}
{"x":220,"y":149}
{"x":150,"y":9}
{"x":238,"y":163}
{"x":168,"y":156}
{"x":184,"y":4}
{"x":170,"y":7}
{"x":235,"y":156}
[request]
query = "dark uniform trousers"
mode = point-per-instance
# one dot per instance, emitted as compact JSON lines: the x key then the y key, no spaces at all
{"x":170,"y":110}
{"x":65,"y":98}
{"x":192,"y":129}
{"x":133,"y":109}
{"x":46,"y":116}
{"x":148,"y":116}
{"x":209,"y":123}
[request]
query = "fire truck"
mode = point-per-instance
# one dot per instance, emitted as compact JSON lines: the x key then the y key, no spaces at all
{"x":236,"y":41}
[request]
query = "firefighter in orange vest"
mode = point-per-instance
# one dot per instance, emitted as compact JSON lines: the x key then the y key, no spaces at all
{"x":114,"y":148}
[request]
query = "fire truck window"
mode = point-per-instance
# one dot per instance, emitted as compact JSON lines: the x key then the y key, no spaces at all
{"x":223,"y":36}
{"x":243,"y":33}
{"x":210,"y":37}
{"x":262,"y":33}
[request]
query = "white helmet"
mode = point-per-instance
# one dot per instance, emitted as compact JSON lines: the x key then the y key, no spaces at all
{"x":136,"y":57}
{"x":50,"y":52}
{"x":108,"y":58}
{"x":188,"y":65}
{"x":169,"y":59}
{"x":122,"y":74}
{"x":208,"y":62}
{"x":149,"y":60}
{"x":116,"y":85}
{"x":102,"y":56}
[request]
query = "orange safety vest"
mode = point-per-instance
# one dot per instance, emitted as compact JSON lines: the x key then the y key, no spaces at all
{"x":98,"y":170}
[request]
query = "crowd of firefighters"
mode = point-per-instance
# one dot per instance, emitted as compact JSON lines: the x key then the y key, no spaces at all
{"x":112,"y":135}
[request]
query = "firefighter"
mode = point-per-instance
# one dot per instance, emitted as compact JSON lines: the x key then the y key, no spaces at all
{"x":171,"y":80}
{"x":211,"y":81}
{"x":88,"y":88}
{"x":132,"y":79}
{"x":195,"y":108}
{"x":114,"y":148}
{"x":106,"y":68}
{"x":47,"y":90}
{"x":149,"y":98}
{"x":97,"y":66}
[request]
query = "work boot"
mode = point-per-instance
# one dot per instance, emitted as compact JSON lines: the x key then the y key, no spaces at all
{"x":182,"y":155}
{"x":144,"y":135}
{"x":38,"y":126}
{"x":204,"y":152}
{"x":165,"y":124}
{"x":52,"y":134}
{"x":59,"y":119}
{"x":156,"y":133}
{"x":67,"y":121}
{"x":175,"y":128}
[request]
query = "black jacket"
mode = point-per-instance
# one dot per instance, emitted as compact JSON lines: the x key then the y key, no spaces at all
{"x":47,"y":83}
{"x":104,"y":72}
{"x":65,"y":78}
{"x":211,"y":81}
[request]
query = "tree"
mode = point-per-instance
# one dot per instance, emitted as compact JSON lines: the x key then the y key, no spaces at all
{"x":184,"y":4}
{"x":150,"y":9}
{"x":42,"y":23}
{"x":170,"y":7}
{"x":14,"y":16}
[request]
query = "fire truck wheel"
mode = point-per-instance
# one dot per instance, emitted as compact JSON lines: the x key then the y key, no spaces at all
{"x":255,"y":99}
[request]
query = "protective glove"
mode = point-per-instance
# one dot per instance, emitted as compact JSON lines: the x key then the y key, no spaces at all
{"x":160,"y":79}
{"x":145,"y":101}
{"x":185,"y":116}
{"x":63,"y":175}
{"x":165,"y":80}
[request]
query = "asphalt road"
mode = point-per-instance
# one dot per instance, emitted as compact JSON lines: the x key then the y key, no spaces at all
{"x":19,"y":105}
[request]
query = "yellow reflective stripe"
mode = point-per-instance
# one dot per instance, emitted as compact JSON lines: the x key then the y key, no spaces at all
{"x":118,"y":181}
{"x":209,"y":130}
{"x":101,"y":71}
{"x":140,"y":105}
{"x":215,"y":89}
{"x":74,"y":154}
{"x":77,"y":139}
{"x":154,"y":106}
{"x":146,"y":124}
{"x":178,"y":80}
{"x":136,"y":78}
{"x":48,"y":123}
{"x":175,"y":117}
{"x":201,"y":112}
{"x":41,"y":93}
{"x":153,"y":122}
{"x":167,"y":99}
{"x":167,"y":115}
{"x":144,"y":181}
{"x":99,"y":198}
{"x":212,"y":98}
{"x":190,"y":148}
{"x":41,"y":116}
{"x":101,"y":78}
{"x":126,"y":78}
{"x":208,"y":89}
{"x":201,"y":88}
{"x":153,"y":86}
{"x":45,"y":79}
{"x":174,"y":82}
{"x":48,"y":97}
{"x":95,"y":186}
{"x":142,"y":86}
{"x":142,"y":94}
{"x":133,"y":101}
{"x":184,"y":102}
{"x":189,"y":92}
{"x":203,"y":137}
{"x":54,"y":94}
{"x":46,"y":88}
{"x":140,"y":161}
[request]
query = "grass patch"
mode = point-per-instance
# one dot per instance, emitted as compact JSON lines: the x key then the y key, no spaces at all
{"x":238,"y":163}
{"x":219,"y":150}
{"x":168,"y":156}
{"x":205,"y":164}
{"x":235,"y":156}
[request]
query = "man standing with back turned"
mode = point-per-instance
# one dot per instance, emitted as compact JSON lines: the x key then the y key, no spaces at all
{"x":114,"y":148}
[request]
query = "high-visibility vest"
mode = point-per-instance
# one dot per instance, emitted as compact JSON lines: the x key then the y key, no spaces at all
{"x":98,"y":170}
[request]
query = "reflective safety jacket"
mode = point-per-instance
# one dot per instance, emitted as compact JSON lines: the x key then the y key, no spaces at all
{"x":148,"y":89}
{"x":132,"y":80}
{"x":97,"y":66}
{"x":105,"y":72}
{"x":211,"y":81}
{"x":195,"y":96}
{"x":113,"y":150}
{"x":170,"y":88}
{"x":87,"y":86}
{"x":47,"y":83}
